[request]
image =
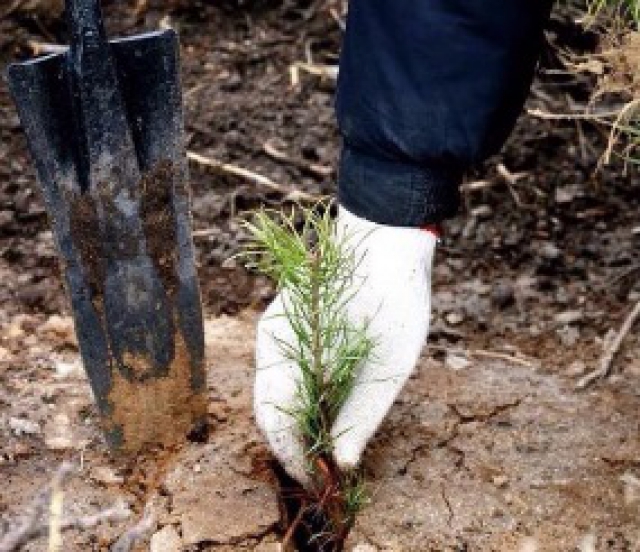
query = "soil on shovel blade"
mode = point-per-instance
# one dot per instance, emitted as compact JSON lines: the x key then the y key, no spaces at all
{"x":176,"y":404}
{"x":489,"y":448}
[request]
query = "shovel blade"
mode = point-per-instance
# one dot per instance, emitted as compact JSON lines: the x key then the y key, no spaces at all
{"x":127,"y":251}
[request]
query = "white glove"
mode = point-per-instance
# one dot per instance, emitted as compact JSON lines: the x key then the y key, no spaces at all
{"x":392,"y":294}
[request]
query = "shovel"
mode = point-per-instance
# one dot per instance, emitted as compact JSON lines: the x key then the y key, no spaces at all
{"x":104,"y":126}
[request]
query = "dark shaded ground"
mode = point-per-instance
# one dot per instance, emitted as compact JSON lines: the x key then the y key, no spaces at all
{"x":561,"y":238}
{"x":542,"y":268}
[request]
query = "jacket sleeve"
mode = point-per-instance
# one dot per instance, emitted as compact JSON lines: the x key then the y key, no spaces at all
{"x":426,"y":89}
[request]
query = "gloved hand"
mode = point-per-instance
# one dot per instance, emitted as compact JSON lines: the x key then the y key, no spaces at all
{"x":392,"y":295}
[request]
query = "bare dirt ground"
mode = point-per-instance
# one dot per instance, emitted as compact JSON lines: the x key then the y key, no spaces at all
{"x":486,"y":457}
{"x":479,"y":453}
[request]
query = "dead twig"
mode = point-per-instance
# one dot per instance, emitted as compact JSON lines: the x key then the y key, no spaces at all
{"x":339,"y":19}
{"x":529,"y":363}
{"x":476,"y":185}
{"x":118,"y":512}
{"x":204,"y":233}
{"x":49,"y":8}
{"x":135,"y":534}
{"x":276,"y":153}
{"x":628,"y":111}
{"x":329,"y":72}
{"x":511,"y":180}
{"x":36,"y":524}
{"x":228,"y":168}
{"x":39,"y":48}
{"x":56,"y":510}
{"x":510,"y":177}
{"x":30,"y":526}
{"x":624,"y":274}
{"x":610,"y":352}
{"x":599,"y":117}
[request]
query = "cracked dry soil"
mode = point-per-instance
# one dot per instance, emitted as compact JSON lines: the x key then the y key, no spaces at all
{"x":494,"y":457}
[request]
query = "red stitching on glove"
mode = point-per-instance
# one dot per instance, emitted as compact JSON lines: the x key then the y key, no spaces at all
{"x":435,"y":229}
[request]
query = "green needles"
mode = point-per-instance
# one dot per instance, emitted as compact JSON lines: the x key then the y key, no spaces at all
{"x":314,"y":267}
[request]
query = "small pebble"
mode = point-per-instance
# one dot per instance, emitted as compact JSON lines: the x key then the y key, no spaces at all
{"x":60,"y":329}
{"x":59,"y":433}
{"x":528,"y":544}
{"x":106,"y":475}
{"x":166,"y":540}
{"x":588,"y":543}
{"x":576,"y":368}
{"x":20,"y":426}
{"x":68,"y":369}
{"x":482,"y":212}
{"x":456,"y":362}
{"x":454,"y":318}
{"x":569,"y":317}
{"x":631,"y":488}
{"x":363,"y":547}
{"x":500,"y":481}
{"x":549,"y":251}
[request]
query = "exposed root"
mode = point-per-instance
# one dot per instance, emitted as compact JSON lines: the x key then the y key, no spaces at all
{"x":610,"y":352}
{"x":318,"y":519}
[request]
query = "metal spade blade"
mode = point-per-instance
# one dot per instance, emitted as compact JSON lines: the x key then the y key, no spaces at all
{"x":104,"y":125}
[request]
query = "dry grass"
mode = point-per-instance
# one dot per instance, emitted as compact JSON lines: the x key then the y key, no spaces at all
{"x":617,"y":67}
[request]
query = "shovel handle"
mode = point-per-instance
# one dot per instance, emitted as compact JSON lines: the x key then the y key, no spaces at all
{"x":86,"y":25}
{"x":99,"y":112}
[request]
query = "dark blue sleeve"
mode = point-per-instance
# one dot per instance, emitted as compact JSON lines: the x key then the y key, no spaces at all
{"x":426,"y":89}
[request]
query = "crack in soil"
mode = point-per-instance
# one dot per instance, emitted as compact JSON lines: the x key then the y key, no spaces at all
{"x":483,"y":417}
{"x":443,"y":493}
{"x":244,"y":540}
{"x":454,"y":432}
{"x":370,"y":540}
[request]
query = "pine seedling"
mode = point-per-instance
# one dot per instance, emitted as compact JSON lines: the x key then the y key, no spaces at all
{"x":314,"y":269}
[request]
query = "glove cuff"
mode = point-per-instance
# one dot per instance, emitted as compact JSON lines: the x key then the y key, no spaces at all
{"x":435,"y":229}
